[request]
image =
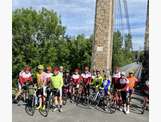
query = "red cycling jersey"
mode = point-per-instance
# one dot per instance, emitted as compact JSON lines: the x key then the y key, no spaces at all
{"x":76,"y":78}
{"x":115,"y":79}
{"x":86,"y":77}
{"x":145,"y":89}
{"x":24,"y":77}
{"x":123,"y":84}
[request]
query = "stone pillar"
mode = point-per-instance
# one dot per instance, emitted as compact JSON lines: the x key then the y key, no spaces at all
{"x":103,"y":35}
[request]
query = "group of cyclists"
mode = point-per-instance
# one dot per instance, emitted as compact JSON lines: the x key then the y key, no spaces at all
{"x":58,"y":80}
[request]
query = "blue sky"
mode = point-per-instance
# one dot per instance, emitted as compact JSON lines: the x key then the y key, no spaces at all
{"x":78,"y":15}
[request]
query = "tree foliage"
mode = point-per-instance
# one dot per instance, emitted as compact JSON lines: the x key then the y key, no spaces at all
{"x":122,"y":55}
{"x":39,"y":38}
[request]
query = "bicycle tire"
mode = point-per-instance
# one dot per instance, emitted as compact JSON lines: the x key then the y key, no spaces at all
{"x":44,"y":113}
{"x":29,"y":107}
{"x":29,"y":110}
{"x":112,"y":106}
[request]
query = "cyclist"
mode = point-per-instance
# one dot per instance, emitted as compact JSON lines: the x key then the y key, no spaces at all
{"x":67,"y":79}
{"x":86,"y":78}
{"x":106,"y":85}
{"x":57,"y":84}
{"x":98,"y":80}
{"x":115,"y":77}
{"x":61,"y":72}
{"x":46,"y":87}
{"x":41,"y":83}
{"x":132,"y":82}
{"x":145,"y":91}
{"x":66,"y":87}
{"x":25,"y":76}
{"x":123,"y":88}
{"x":75,"y":80}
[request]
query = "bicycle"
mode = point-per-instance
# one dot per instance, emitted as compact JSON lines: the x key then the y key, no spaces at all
{"x":30,"y":103}
{"x":85,"y":94}
{"x":116,"y":100}
{"x":98,"y":98}
{"x":76,"y":93}
{"x":49,"y":98}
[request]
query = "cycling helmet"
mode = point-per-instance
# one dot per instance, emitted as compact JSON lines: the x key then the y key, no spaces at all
{"x":40,"y":67}
{"x":56,"y":69}
{"x":147,"y":83}
{"x":61,"y":67}
{"x":123,"y":73}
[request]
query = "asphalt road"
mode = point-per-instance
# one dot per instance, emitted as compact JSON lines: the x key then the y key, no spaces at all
{"x":73,"y":113}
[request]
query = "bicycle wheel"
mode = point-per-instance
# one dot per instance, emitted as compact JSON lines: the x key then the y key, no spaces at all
{"x":144,"y":107}
{"x":77,"y":99}
{"x":110,"y":106}
{"x":44,"y":112}
{"x":29,"y":107}
{"x":91,"y":99}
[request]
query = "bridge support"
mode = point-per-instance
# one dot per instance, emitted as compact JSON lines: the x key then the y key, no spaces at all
{"x":103,"y":35}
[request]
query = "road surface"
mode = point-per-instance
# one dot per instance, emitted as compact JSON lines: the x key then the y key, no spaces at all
{"x":73,"y":113}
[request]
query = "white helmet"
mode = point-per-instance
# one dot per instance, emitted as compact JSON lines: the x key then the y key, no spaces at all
{"x":147,"y":83}
{"x":123,"y":73}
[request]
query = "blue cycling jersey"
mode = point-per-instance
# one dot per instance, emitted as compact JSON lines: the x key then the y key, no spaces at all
{"x":106,"y":84}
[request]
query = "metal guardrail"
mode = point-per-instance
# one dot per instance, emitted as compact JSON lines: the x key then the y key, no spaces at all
{"x":137,"y":68}
{"x":138,"y":72}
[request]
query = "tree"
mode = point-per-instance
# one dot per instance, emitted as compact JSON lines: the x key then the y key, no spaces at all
{"x":121,"y":55}
{"x":39,"y":38}
{"x":128,"y":42}
{"x":35,"y":36}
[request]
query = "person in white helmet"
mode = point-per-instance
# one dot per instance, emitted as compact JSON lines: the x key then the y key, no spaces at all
{"x":123,"y":88}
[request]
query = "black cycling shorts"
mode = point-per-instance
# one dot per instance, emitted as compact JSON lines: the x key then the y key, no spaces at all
{"x":39,"y":92}
{"x":57,"y":92}
{"x":124,"y":96}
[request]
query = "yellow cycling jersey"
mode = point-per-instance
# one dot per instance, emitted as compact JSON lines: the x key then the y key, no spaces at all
{"x":97,"y":81}
{"x":41,"y":78}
